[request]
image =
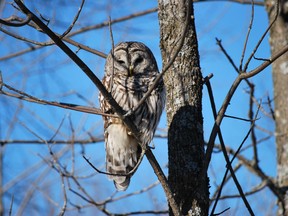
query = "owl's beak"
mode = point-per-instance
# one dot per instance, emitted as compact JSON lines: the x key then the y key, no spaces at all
{"x":131,"y":70}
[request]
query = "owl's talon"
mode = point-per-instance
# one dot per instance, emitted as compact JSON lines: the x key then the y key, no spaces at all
{"x":128,"y":113}
{"x":152,"y":146}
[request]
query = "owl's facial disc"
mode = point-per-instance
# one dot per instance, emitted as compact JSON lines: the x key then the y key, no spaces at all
{"x":138,"y":62}
{"x":121,"y":61}
{"x":130,"y":60}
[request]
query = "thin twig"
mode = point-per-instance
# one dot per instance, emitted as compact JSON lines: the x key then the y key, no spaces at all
{"x":29,"y":192}
{"x":57,"y":130}
{"x":251,"y":117}
{"x":88,"y":198}
{"x":24,"y":96}
{"x":220,"y":213}
{"x":252,"y":191}
{"x":248,"y":2}
{"x":270,"y":107}
{"x":90,"y":140}
{"x":258,"y":172}
{"x":24,"y":51}
{"x":228,"y":98}
{"x":131,"y":172}
{"x":112,"y":53}
{"x":48,"y":43}
{"x":106,"y":23}
{"x":74,"y":20}
{"x":254,"y":100}
{"x":145,"y":189}
{"x":228,"y":163}
{"x":11,"y":206}
{"x":22,"y":176}
{"x":149,"y":212}
{"x":1,"y":81}
{"x":247,"y":36}
{"x":83,"y":30}
{"x":81,"y":196}
{"x":22,"y":38}
{"x":72,"y":145}
{"x":263,"y":36}
{"x":238,"y":118}
{"x":170,"y":62}
{"x":218,"y":191}
{"x":219,"y":43}
{"x":247,"y":135}
{"x":63,"y":209}
{"x":9,"y":21}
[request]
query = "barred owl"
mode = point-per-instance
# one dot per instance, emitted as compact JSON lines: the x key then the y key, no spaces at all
{"x":129,"y":72}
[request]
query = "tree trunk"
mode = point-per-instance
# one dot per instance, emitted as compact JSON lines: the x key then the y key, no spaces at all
{"x":278,"y":39}
{"x":183,"y":83}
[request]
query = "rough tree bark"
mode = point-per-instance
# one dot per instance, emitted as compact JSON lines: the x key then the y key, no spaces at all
{"x":183,"y":83}
{"x":278,"y":39}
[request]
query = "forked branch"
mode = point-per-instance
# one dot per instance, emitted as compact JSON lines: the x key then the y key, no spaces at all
{"x":120,"y":112}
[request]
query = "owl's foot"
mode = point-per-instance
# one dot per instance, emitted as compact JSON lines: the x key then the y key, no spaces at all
{"x":128,"y":113}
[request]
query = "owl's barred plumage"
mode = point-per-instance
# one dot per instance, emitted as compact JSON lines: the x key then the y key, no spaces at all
{"x":135,"y":69}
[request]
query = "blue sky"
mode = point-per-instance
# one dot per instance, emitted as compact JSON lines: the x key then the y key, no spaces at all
{"x":48,"y":74}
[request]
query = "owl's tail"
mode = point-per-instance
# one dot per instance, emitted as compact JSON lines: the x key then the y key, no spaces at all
{"x":122,"y":155}
{"x":121,"y":182}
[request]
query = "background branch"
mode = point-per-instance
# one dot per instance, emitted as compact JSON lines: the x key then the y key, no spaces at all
{"x":158,"y":171}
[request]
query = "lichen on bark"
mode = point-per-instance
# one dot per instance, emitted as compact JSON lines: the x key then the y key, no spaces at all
{"x":183,"y":83}
{"x":279,"y":39}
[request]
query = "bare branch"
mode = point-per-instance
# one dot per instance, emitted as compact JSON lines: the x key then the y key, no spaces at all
{"x":31,"y":190}
{"x":24,"y":96}
{"x":248,"y":2}
{"x":172,"y":58}
{"x":145,"y":189}
{"x":112,"y":52}
{"x":238,"y":118}
{"x":251,"y":116}
{"x":47,"y":43}
{"x":247,"y":36}
{"x":270,"y":107}
{"x":154,"y":212}
{"x":74,"y":20}
{"x":9,"y":21}
{"x":228,"y":162}
{"x":263,"y":36}
{"x":1,"y":81}
{"x":157,"y":169}
{"x":63,"y":209}
{"x":218,"y":191}
{"x":219,"y":43}
{"x":254,"y":190}
{"x":247,"y":135}
{"x":81,"y":30}
{"x":11,"y":206}
{"x":131,"y":172}
{"x":106,"y":23}
{"x":258,"y":171}
{"x":228,"y":98}
{"x":19,"y":53}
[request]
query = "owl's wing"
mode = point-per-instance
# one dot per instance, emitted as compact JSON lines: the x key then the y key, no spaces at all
{"x":122,"y":149}
{"x":122,"y":154}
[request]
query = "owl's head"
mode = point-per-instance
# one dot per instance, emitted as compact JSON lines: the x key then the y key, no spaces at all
{"x":131,"y":59}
